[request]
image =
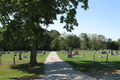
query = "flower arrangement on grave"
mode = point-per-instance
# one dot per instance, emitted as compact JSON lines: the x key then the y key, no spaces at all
{"x":73,"y":54}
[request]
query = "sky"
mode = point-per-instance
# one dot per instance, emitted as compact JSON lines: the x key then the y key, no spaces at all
{"x":102,"y":17}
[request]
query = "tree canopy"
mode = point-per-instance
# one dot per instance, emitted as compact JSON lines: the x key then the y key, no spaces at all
{"x":40,"y":11}
{"x":22,"y":19}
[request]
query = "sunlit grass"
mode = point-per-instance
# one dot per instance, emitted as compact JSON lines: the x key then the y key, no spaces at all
{"x":89,"y":63}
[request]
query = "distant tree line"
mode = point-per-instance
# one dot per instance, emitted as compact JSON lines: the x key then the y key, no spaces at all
{"x":53,"y":40}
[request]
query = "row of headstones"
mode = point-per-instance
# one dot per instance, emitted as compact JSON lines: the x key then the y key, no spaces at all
{"x":2,"y":52}
{"x":74,"y":52}
{"x":15,"y":52}
{"x":69,"y":53}
{"x":87,"y":49}
{"x":30,"y":53}
{"x":110,"y":52}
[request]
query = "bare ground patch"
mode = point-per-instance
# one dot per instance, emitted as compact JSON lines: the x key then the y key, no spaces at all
{"x":103,"y":73}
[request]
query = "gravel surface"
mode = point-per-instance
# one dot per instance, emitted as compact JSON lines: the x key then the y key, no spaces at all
{"x":57,"y":69}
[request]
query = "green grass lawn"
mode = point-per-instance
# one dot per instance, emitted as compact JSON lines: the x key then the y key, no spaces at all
{"x":21,"y":70}
{"x":87,"y":64}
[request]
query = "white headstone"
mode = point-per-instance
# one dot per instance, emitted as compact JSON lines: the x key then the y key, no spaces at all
{"x":111,"y":52}
{"x":116,"y":53}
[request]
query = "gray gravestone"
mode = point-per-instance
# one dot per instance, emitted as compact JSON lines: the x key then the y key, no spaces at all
{"x":20,"y":56}
{"x":23,"y":51}
{"x":15,"y":52}
{"x":44,"y":52}
{"x":116,"y":53}
{"x":24,"y":56}
{"x":88,"y":49}
{"x":20,"y":52}
{"x":62,"y":52}
{"x":103,"y":52}
{"x":98,"y":52}
{"x":69,"y":55}
{"x":39,"y":51}
{"x":76,"y":53}
{"x":111,"y":52}
{"x":8,"y":51}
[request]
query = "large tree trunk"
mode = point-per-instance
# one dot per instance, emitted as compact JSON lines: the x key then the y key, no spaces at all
{"x":33,"y":60}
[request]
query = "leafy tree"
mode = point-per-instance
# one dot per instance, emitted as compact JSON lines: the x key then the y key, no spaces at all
{"x":101,"y":41}
{"x":112,"y":44}
{"x":93,"y":41}
{"x":71,"y":41}
{"x":108,"y":44}
{"x":115,"y":46}
{"x":46,"y":45}
{"x":53,"y":34}
{"x":61,"y":42}
{"x":118,"y":43}
{"x":27,"y":15}
{"x":84,"y":41}
{"x":55,"y":44}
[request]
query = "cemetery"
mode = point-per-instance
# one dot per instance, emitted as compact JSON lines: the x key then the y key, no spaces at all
{"x":93,"y":60}
{"x":88,"y":60}
{"x":83,"y":60}
{"x":24,"y":71}
{"x":22,"y":29}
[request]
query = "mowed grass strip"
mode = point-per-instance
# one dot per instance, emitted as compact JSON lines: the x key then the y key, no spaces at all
{"x":87,"y":64}
{"x":21,"y":70}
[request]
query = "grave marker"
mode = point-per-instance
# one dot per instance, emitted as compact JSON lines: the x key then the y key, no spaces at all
{"x":20,"y":55}
{"x":116,"y":53}
{"x":103,"y":52}
{"x":69,"y":55}
{"x":44,"y":53}
{"x":62,"y":52}
{"x":76,"y":53}
{"x":24,"y":56}
{"x":88,"y":49}
{"x":15,"y":52}
{"x":8,"y":51}
{"x":111,"y":52}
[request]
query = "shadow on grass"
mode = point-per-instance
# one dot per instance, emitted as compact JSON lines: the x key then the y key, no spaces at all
{"x":89,"y":66}
{"x":97,"y":69}
{"x":37,"y":70}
